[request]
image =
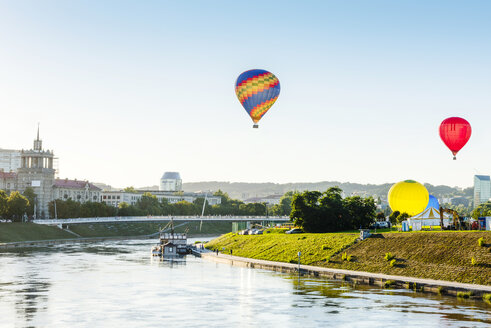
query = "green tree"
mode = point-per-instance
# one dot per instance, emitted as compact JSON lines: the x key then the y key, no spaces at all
{"x":393,"y":217}
{"x":124,"y":209}
{"x":16,"y":206}
{"x":130,"y":189}
{"x":184,"y":208}
{"x":149,"y":204}
{"x":403,"y":216}
{"x":3,"y":204}
{"x":64,"y":209}
{"x":380,"y":216}
{"x":483,"y":209}
{"x":31,"y":197}
{"x":198,"y":203}
{"x":285,"y":205}
{"x":361,"y":211}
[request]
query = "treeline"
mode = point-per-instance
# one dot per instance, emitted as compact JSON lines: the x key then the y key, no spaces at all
{"x":13,"y":206}
{"x":314,"y":211}
{"x":149,"y":204}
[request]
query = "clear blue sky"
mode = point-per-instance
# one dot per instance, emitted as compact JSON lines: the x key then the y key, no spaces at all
{"x":126,"y":90}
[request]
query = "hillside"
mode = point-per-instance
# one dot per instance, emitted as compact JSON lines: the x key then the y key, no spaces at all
{"x":433,"y":255}
{"x":12,"y":232}
{"x":243,"y":190}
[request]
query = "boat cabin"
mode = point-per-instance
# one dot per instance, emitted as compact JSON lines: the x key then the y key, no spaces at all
{"x":169,"y":249}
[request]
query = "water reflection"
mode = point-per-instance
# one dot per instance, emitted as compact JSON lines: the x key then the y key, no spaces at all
{"x":120,"y":284}
{"x":355,"y":297}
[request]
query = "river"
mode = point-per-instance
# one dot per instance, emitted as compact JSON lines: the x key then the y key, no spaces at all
{"x":118,"y":284}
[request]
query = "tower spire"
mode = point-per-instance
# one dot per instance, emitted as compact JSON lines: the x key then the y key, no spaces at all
{"x":38,"y":144}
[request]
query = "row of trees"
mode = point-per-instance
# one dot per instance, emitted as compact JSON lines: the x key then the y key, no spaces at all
{"x":314,"y":211}
{"x":149,"y":204}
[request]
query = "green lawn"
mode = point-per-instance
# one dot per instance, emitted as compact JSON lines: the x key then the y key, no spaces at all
{"x":146,"y":228}
{"x":284,"y":247}
{"x":440,"y":255}
{"x":11,"y":232}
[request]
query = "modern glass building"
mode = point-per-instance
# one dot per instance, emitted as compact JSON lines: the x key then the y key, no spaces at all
{"x":482,"y":189}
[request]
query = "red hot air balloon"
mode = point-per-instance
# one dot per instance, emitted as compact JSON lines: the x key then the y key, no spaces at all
{"x":455,"y":132}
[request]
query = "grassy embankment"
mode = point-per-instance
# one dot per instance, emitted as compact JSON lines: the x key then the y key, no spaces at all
{"x":11,"y":232}
{"x":146,"y":228}
{"x":14,"y":232}
{"x":433,"y":255}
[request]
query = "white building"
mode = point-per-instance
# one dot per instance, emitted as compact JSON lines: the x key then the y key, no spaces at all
{"x":482,"y":189}
{"x":114,"y":198}
{"x":80,"y":191}
{"x":10,"y":160}
{"x":171,"y":181}
{"x":270,"y":200}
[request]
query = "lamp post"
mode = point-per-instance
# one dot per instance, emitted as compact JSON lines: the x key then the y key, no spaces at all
{"x":299,"y":254}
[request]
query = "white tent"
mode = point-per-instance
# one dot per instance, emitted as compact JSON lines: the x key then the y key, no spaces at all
{"x":429,"y":217}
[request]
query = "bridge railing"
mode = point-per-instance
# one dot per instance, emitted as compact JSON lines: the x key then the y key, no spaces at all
{"x":162,"y":218}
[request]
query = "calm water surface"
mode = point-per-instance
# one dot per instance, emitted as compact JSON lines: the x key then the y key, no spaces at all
{"x":118,"y":284}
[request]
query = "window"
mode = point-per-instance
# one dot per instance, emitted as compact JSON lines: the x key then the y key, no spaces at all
{"x":103,"y":197}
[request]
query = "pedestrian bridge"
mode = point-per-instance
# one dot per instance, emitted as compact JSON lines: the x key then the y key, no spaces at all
{"x":116,"y":219}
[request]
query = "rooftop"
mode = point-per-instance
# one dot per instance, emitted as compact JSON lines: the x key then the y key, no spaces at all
{"x":483,"y":177}
{"x":172,"y":175}
{"x":75,"y":184}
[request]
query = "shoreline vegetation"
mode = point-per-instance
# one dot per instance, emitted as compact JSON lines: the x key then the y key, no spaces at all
{"x":456,"y":256}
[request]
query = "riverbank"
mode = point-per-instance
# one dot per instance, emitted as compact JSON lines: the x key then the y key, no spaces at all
{"x":358,"y":277}
{"x":429,"y":255}
{"x":15,"y":232}
{"x":30,"y":232}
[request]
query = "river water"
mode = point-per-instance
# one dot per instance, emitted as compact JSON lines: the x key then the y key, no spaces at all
{"x":118,"y":284}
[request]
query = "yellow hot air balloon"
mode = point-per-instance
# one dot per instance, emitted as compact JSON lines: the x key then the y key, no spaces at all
{"x":408,"y":196}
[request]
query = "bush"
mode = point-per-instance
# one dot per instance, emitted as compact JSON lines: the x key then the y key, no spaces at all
{"x":486,"y":297}
{"x":344,"y":256}
{"x":389,"y":256}
{"x":473,"y":261}
{"x":464,"y":294}
{"x":389,"y":283}
{"x":348,"y":258}
{"x":392,"y":263}
{"x":480,"y":242}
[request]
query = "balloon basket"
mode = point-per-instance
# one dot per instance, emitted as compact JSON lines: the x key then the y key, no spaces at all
{"x":454,"y":158}
{"x":255,"y":126}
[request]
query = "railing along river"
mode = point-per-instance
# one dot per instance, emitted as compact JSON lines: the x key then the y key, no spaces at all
{"x":162,"y":218}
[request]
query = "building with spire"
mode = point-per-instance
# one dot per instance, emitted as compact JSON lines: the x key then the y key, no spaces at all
{"x":36,"y":171}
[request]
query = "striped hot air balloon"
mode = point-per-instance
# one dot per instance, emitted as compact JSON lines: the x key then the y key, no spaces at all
{"x":257,"y":91}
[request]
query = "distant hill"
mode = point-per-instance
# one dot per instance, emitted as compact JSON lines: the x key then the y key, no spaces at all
{"x":244,"y":190}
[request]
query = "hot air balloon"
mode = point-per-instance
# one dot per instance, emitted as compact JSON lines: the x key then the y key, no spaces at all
{"x":408,"y":196}
{"x":257,"y":91}
{"x":433,"y":202}
{"x":455,"y":132}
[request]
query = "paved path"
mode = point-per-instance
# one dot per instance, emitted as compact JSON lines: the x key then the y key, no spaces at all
{"x":330,"y":272}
